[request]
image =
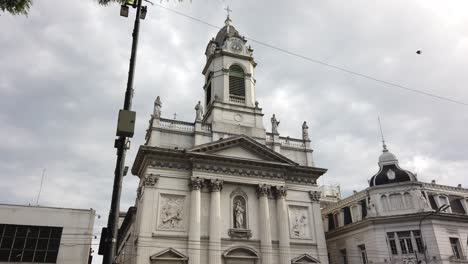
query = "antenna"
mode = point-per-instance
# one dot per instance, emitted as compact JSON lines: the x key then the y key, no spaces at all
{"x":40,"y":188}
{"x":381,"y":134}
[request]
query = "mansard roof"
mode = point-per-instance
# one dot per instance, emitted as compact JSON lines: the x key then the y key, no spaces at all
{"x":390,"y":171}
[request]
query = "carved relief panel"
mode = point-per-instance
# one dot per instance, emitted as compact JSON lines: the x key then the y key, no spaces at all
{"x":171,"y":212}
{"x":299,"y":222}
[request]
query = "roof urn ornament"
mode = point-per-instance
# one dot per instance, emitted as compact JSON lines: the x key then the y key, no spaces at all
{"x":199,"y":112}
{"x":274,"y":125}
{"x":305,"y":131}
{"x":157,"y":107}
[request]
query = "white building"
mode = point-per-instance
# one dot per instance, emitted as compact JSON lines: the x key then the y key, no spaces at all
{"x":221,"y":189}
{"x":45,"y":234}
{"x":398,"y":220}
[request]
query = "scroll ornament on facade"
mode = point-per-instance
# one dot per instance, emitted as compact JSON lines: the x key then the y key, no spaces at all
{"x":315,"y":196}
{"x":151,"y":179}
{"x":263,"y":190}
{"x":216,"y":185}
{"x":196,"y":184}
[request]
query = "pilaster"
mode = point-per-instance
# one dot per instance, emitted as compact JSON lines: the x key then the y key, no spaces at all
{"x":283,"y":227}
{"x":195,"y":220}
{"x":214,"y":245}
{"x":319,"y":234}
{"x":264,"y":222}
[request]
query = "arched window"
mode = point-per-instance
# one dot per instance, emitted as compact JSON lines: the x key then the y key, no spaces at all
{"x":208,"y":88}
{"x":408,"y":200}
{"x":236,"y":84}
{"x":396,"y":201}
{"x":384,"y":201}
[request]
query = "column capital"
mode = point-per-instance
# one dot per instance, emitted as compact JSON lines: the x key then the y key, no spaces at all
{"x":195,"y":183}
{"x":263,"y":190}
{"x":315,"y":196}
{"x":215,"y":185}
{"x":151,"y":179}
{"x":281,"y":192}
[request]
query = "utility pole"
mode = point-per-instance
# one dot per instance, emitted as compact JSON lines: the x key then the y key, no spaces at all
{"x":121,"y":145}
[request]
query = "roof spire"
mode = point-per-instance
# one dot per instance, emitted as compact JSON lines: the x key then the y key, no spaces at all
{"x":381,"y":134}
{"x":228,"y":21}
{"x":227,"y":11}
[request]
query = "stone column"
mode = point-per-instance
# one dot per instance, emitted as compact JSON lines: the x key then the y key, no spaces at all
{"x":318,"y":225}
{"x":214,"y":246}
{"x":195,"y":217}
{"x":264,"y":223}
{"x":283,"y":226}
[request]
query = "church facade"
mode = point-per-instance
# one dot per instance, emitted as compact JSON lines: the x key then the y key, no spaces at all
{"x":221,"y":189}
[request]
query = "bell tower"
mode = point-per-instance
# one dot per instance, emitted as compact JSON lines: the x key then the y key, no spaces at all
{"x":230,"y":102}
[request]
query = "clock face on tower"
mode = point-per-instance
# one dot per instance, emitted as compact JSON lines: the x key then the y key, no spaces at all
{"x":236,"y":45}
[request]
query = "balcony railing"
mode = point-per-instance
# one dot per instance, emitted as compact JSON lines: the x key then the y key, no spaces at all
{"x":237,"y":99}
{"x":176,"y":125}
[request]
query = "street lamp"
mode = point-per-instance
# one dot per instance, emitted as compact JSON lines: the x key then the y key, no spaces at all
{"x":125,"y":128}
{"x":441,"y":208}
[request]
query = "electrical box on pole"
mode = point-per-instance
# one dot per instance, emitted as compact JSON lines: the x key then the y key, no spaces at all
{"x":126,"y":123}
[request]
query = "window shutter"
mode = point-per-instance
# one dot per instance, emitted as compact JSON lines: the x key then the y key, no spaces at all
{"x":236,"y":81}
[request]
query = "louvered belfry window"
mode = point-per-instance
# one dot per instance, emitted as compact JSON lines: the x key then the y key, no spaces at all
{"x":236,"y":84}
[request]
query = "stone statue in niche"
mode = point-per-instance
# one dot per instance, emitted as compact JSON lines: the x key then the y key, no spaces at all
{"x":157,"y":107}
{"x":172,"y":210}
{"x":299,"y":222}
{"x":274,"y":125}
{"x":239,"y":212}
{"x":199,"y":112}
{"x":239,"y":216}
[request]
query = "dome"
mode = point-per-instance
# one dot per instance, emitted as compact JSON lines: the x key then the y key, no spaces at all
{"x":389,"y":171}
{"x":387,"y":157}
{"x":227,"y":31}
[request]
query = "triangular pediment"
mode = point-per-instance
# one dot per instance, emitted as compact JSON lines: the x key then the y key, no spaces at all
{"x":241,"y":147}
{"x":304,"y":258}
{"x":169,"y":254}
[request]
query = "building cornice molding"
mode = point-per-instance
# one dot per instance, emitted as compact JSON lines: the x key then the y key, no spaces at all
{"x":395,"y":219}
{"x":183,"y":160}
{"x":355,"y":198}
{"x":221,"y":53}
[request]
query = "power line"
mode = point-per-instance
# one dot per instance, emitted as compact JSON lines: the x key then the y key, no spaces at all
{"x":366,"y":76}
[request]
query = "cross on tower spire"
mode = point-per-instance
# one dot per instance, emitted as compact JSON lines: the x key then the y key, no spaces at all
{"x":227,"y":11}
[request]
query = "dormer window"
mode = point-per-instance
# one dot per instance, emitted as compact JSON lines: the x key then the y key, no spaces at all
{"x":236,"y":84}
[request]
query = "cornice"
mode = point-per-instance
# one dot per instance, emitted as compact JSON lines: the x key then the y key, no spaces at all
{"x":183,"y":160}
{"x":344,"y":202}
{"x":438,"y":187}
{"x":229,"y":54}
{"x":395,"y":219}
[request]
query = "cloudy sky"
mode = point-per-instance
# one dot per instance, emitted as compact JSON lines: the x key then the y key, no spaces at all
{"x":63,"y":72}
